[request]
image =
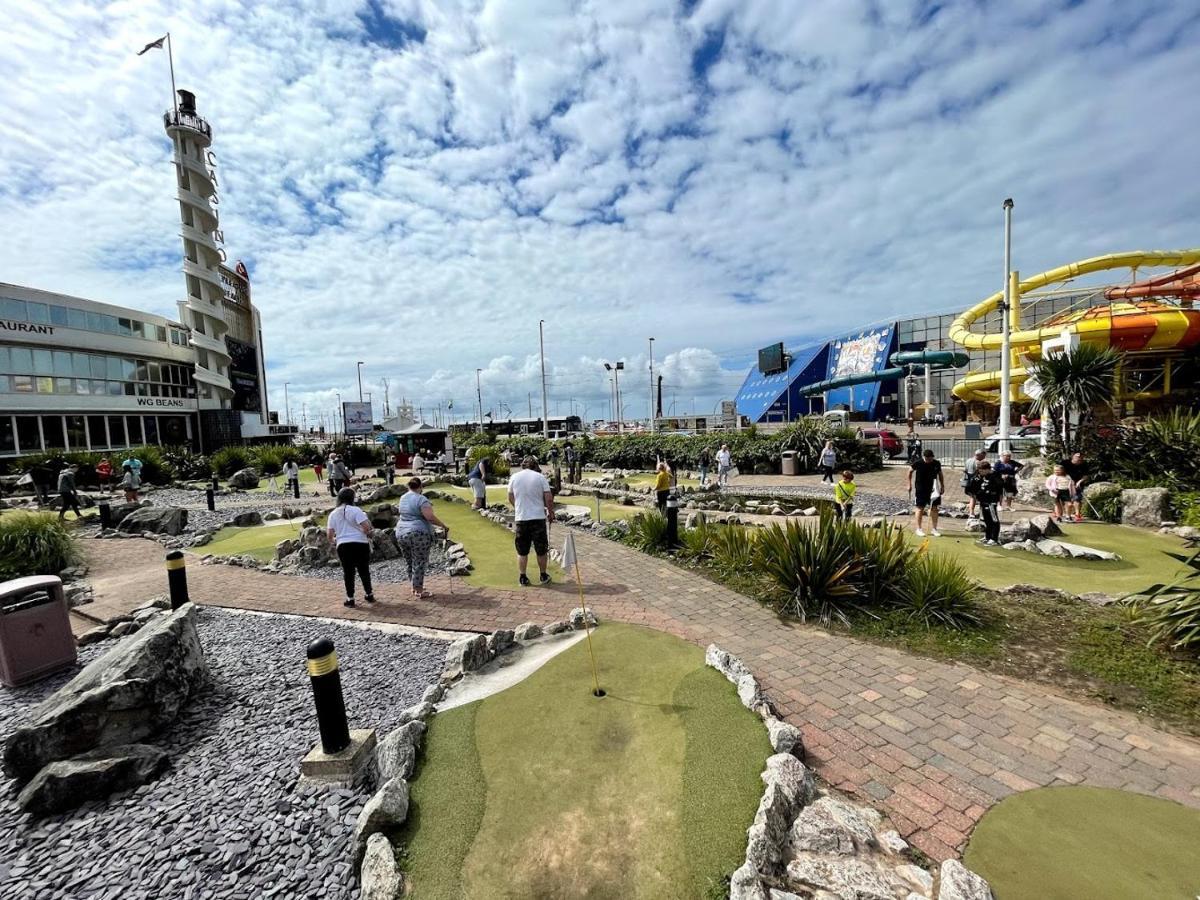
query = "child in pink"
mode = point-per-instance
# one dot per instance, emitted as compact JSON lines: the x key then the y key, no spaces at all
{"x":1061,"y":488}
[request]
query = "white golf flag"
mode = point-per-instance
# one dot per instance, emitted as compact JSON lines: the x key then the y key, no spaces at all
{"x":569,"y":560}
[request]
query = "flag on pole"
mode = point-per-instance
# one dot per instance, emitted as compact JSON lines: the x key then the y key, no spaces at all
{"x":569,"y":560}
{"x":153,"y":45}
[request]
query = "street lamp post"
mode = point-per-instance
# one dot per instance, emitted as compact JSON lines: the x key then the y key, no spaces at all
{"x":542,"y":349}
{"x":287,"y":406}
{"x":652,"y":426}
{"x":615,"y":369}
{"x":1005,"y":332}
{"x":479,"y":397}
{"x":341,"y":411}
{"x":359,"y":370}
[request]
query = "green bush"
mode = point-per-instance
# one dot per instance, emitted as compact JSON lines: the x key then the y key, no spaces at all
{"x":156,"y":468}
{"x":937,"y":591}
{"x":34,"y":544}
{"x":886,"y":557}
{"x":497,"y":468}
{"x":1187,"y":507}
{"x":816,"y":570}
{"x":1169,"y":445}
{"x":308,"y":453}
{"x":1105,"y":503}
{"x":733,"y":549}
{"x":697,"y":543}
{"x":229,"y":459}
{"x":361,"y":455}
{"x":185,"y":464}
{"x":648,"y":531}
{"x":267,"y":459}
{"x":1172,"y":611}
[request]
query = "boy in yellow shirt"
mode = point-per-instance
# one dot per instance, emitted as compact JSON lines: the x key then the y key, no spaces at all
{"x":843,"y":495}
{"x":662,"y":486}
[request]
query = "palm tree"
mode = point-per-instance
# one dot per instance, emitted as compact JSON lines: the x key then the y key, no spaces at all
{"x":1078,"y":381}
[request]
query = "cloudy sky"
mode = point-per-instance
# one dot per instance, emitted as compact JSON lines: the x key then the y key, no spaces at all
{"x":415,"y":183}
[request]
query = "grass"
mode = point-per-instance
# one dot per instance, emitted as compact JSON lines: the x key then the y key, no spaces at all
{"x":258,"y":541}
{"x":1062,"y":843}
{"x":308,"y":478}
{"x":544,"y":791}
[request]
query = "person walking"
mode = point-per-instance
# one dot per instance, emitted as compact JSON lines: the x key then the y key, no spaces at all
{"x":988,"y":488}
{"x":477,"y":479}
{"x":1008,"y":469}
{"x":42,"y":476}
{"x":418,"y":462}
{"x":843,"y":495}
{"x":662,"y":486}
{"x":724,"y":465}
{"x":414,"y":534}
{"x":1061,"y":488}
{"x":704,"y":463}
{"x":104,"y":474}
{"x":292,"y":471}
{"x":571,"y":455}
{"x":319,"y":471}
{"x":967,"y":481}
{"x":1080,"y":473}
{"x":135,"y":464}
{"x":827,"y":462}
{"x":529,"y":495}
{"x":926,"y":484}
{"x":131,"y":483}
{"x":339,"y":476}
{"x":66,"y":493}
{"x":350,"y":530}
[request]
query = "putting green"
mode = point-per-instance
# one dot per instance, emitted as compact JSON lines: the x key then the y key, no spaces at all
{"x":1064,"y":843}
{"x":258,"y":541}
{"x":545,"y":791}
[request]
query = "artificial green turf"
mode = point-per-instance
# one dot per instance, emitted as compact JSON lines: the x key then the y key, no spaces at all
{"x":1144,"y":560}
{"x":1066,"y":843}
{"x":307,"y":478}
{"x":490,"y":547}
{"x":645,"y":793}
{"x":258,"y":541}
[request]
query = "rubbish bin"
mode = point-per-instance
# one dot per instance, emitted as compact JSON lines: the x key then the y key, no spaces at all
{"x":972,"y":431}
{"x":789,"y":463}
{"x":35,"y":629}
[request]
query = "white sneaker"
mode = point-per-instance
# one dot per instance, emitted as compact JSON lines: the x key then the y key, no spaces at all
{"x":920,"y":533}
{"x":935,"y":533}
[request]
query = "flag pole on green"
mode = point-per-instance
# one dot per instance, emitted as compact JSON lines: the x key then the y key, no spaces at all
{"x":570,"y":561}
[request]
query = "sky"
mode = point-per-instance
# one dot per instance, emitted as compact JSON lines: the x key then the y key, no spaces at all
{"x":416,"y":184}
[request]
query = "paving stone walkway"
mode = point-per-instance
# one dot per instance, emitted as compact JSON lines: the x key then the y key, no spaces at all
{"x":932,"y":744}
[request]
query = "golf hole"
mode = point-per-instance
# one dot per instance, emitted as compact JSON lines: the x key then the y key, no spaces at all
{"x":598,"y":693}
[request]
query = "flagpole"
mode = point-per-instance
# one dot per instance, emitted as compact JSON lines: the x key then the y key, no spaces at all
{"x":174,"y":94}
{"x":587,"y":630}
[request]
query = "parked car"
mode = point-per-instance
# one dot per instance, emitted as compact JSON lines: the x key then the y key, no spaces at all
{"x":885,"y":439}
{"x":1026,"y":439}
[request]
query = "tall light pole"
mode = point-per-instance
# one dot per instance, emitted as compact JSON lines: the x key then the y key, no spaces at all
{"x":652,"y":385}
{"x":479,"y":397}
{"x":341,"y":411}
{"x":542,"y":349}
{"x":358,"y":368}
{"x":287,"y":406}
{"x":1006,"y":334}
{"x":616,"y":374}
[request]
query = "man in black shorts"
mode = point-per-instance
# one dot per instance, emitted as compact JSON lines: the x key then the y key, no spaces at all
{"x":529,"y":494}
{"x":1080,"y":472}
{"x":926,"y":486}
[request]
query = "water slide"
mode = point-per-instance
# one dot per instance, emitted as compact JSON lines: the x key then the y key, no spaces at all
{"x":1134,"y":320}
{"x":902,"y":362}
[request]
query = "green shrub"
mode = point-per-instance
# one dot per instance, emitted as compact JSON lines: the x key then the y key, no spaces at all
{"x":34,"y":544}
{"x":267,"y":459}
{"x":156,"y":468}
{"x":361,"y":455}
{"x":497,"y":468}
{"x":937,"y":591}
{"x":697,"y":543}
{"x":648,"y":531}
{"x":816,"y":570}
{"x":733,"y":549}
{"x":1172,"y":611}
{"x":1105,"y":503}
{"x":185,"y":464}
{"x":230,"y":459}
{"x":1169,"y":444}
{"x":886,"y":557}
{"x":1187,"y":507}
{"x":308,"y":453}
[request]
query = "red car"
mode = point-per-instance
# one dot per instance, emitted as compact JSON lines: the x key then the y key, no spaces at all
{"x":885,"y":439}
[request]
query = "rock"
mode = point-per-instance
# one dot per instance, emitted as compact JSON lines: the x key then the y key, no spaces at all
{"x":725,"y":663}
{"x":777,"y":511}
{"x":248,"y":519}
{"x":433,"y":693}
{"x":577,"y":618}
{"x":460,"y":567}
{"x":499,"y":641}
{"x":845,"y":877}
{"x":527,"y":631}
{"x":694,"y":520}
{"x":99,"y":633}
{"x":467,"y":654}
{"x":1145,"y":507}
{"x":557,"y":627}
{"x":785,"y":737}
{"x":386,"y":810}
{"x":745,"y":884}
{"x":123,"y":628}
{"x":1078,"y":551}
{"x":1053,"y":548}
{"x":749,"y":692}
{"x":1014,"y":545}
{"x":380,"y":877}
{"x":245,"y":479}
{"x":1043,"y":526}
{"x":960,"y":883}
{"x":833,"y":826}
{"x":777,"y":894}
{"x":917,"y":877}
{"x":810,"y":511}
{"x":396,"y":754}
{"x":891,"y":841}
{"x":119,"y":511}
{"x":133,"y":690}
{"x":155,"y":520}
{"x":764,"y":853}
{"x":65,"y":784}
{"x":1187,"y":532}
{"x":383,"y":544}
{"x":272,"y":516}
{"x":286,"y":548}
{"x":418,"y":712}
{"x":974,"y":525}
{"x":792,"y":776}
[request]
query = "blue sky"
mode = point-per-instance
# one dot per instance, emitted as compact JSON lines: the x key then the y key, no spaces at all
{"x":416,"y":184}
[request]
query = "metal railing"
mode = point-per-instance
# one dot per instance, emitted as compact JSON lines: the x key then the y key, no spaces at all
{"x":184,"y":120}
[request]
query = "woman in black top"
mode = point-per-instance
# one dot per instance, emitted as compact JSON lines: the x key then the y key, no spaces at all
{"x":987,"y":487}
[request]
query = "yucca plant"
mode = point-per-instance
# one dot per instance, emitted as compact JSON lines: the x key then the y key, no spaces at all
{"x":228,"y":460}
{"x":1078,"y":381}
{"x":697,"y":543}
{"x":816,"y":570}
{"x":648,"y":531}
{"x":1172,"y":611}
{"x":34,"y":544}
{"x":937,"y":591}
{"x":733,"y":549}
{"x":886,"y":558}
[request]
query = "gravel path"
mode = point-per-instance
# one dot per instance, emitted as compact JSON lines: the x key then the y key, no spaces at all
{"x":864,"y":503}
{"x":228,"y":820}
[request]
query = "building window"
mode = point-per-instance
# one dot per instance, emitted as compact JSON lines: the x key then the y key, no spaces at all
{"x":64,"y":386}
{"x":12,"y":309}
{"x":83,"y":386}
{"x":43,"y":362}
{"x":29,"y":436}
{"x":45,"y":385}
{"x":77,"y":319}
{"x":172,"y":430}
{"x":133,"y":425}
{"x":22,"y":384}
{"x":151,"y":425}
{"x":76,"y":433}
{"x":38,"y":313}
{"x":116,"y":431}
{"x":58,"y":316}
{"x":8,"y":437}
{"x":97,"y":433}
{"x":52,"y":431}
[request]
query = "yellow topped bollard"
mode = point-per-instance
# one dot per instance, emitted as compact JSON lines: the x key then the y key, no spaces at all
{"x":177,"y":578}
{"x":327,"y":693}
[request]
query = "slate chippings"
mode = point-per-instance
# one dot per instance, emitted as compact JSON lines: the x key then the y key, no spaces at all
{"x":228,"y":819}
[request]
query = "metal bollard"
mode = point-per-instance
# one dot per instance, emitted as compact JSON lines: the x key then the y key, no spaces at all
{"x":672,"y":521}
{"x":327,"y":693}
{"x":295,"y":488}
{"x":216,"y":483}
{"x":105,"y":514}
{"x":177,"y":578}
{"x":210,"y":498}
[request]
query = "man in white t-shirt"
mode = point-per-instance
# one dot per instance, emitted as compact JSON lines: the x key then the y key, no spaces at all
{"x":724,"y":464}
{"x":529,"y":494}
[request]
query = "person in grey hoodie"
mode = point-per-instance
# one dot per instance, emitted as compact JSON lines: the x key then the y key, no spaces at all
{"x":828,"y":462}
{"x":66,"y":493}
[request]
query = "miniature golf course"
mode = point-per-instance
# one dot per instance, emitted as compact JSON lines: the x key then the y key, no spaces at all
{"x":1065,"y":843}
{"x":545,"y":791}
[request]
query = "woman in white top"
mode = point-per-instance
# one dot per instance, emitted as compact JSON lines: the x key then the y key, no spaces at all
{"x":350,"y":528}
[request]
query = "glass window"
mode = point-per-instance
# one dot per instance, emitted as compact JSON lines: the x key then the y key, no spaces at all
{"x":172,"y":430}
{"x":3,"y":384}
{"x":151,"y":429}
{"x":140,"y":373}
{"x":64,"y":385}
{"x":8,"y":438}
{"x":4,"y":359}
{"x":12,"y":309}
{"x":62,"y":363}
{"x":76,"y":436}
{"x":22,"y":384}
{"x":39,"y":313}
{"x":143,"y":389}
{"x":22,"y":360}
{"x":128,"y":369}
{"x":99,"y":386}
{"x":155,"y":372}
{"x":110,"y":324}
{"x":43,"y":362}
{"x":29,"y":437}
{"x":138,"y":329}
{"x":160,"y":333}
{"x":45,"y":385}
{"x":96,"y":431}
{"x":116,"y":430}
{"x":52,"y":431}
{"x":114,"y":388}
{"x":155,"y":389}
{"x":58,"y":315}
{"x":99,"y":366}
{"x":83,"y":386}
{"x":113,"y":365}
{"x":95,"y":322}
{"x":129,"y":388}
{"x":133,"y":425}
{"x":77,"y":319}
{"x":81,"y":367}
{"x":125,"y":327}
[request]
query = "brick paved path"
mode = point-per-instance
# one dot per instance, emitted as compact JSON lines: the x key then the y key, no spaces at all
{"x":931,"y":743}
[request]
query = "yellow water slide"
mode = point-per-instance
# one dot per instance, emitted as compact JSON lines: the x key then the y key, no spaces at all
{"x":1137,"y":326}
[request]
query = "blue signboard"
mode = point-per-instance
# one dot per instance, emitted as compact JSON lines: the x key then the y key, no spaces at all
{"x":859,"y":354}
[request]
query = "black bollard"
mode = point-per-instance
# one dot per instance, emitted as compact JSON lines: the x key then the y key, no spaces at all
{"x":105,"y":514}
{"x":210,"y":498}
{"x":296,"y":488}
{"x":177,"y":578}
{"x":327,"y":693}
{"x":216,"y":484}
{"x":672,"y":521}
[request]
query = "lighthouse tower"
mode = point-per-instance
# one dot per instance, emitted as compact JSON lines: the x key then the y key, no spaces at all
{"x":202,"y":309}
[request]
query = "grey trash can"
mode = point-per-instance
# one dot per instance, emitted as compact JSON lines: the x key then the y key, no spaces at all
{"x":972,"y":431}
{"x":789,"y":463}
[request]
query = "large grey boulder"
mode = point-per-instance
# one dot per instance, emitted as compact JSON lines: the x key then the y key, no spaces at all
{"x":94,"y":775}
{"x":387,"y":810}
{"x":960,"y":883}
{"x":383,"y":544}
{"x":467,"y":654}
{"x":527,"y":631}
{"x":792,"y":776}
{"x":155,"y":520}
{"x":785,"y":737}
{"x":745,"y":884}
{"x":129,"y":693}
{"x":396,"y":754}
{"x":1043,"y":526}
{"x":248,"y":519}
{"x":244,"y":479}
{"x":862,"y":879}
{"x":381,"y":878}
{"x":1145,"y":507}
{"x":833,"y":826}
{"x":119,"y":511}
